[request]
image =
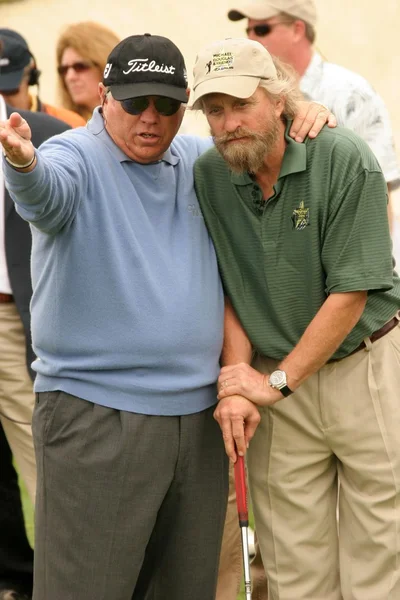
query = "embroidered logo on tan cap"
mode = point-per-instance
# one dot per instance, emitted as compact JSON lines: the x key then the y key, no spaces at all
{"x":222,"y":61}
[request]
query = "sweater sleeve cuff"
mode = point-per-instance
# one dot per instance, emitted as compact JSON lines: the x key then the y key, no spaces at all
{"x":12,"y":176}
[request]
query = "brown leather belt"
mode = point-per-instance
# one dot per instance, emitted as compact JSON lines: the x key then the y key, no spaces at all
{"x":373,"y":337}
{"x":6,"y":298}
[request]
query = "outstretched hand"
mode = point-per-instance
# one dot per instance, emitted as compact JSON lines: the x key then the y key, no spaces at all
{"x":15,"y":137}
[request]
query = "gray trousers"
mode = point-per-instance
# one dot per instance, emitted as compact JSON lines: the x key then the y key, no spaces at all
{"x":129,"y":506}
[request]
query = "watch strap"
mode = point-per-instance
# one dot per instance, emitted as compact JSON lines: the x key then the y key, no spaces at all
{"x":286,"y":391}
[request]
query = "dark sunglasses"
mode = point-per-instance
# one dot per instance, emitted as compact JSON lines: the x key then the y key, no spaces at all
{"x":163,"y":105}
{"x":262,"y":30}
{"x":78,"y":67}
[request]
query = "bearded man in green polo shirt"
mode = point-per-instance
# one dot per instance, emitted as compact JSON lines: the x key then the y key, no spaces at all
{"x":312,"y":304}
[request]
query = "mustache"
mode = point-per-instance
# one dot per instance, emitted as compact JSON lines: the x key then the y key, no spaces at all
{"x":240,"y":132}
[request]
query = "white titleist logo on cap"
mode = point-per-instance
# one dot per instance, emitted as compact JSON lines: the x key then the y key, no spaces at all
{"x":4,"y":62}
{"x":143,"y":64}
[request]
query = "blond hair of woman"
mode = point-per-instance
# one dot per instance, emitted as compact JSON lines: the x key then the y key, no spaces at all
{"x":82,"y":50}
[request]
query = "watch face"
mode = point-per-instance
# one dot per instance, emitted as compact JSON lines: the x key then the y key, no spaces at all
{"x":277,"y":378}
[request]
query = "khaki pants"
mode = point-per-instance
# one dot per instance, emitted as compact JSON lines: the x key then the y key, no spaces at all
{"x":344,"y":422}
{"x":16,"y":394}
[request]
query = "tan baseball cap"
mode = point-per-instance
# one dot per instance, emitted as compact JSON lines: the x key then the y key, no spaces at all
{"x":305,"y":10}
{"x":231,"y":66}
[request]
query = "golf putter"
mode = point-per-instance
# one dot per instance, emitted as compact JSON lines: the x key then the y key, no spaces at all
{"x":241,"y":500}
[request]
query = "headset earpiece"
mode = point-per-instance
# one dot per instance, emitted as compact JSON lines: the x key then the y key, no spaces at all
{"x":34,"y":75}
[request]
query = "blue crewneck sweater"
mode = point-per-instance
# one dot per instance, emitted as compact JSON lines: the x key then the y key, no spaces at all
{"x":127,"y":307}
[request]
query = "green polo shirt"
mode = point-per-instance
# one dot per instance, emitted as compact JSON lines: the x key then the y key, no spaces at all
{"x":324,"y":230}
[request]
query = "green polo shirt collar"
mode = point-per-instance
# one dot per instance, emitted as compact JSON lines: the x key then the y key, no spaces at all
{"x":294,"y":160}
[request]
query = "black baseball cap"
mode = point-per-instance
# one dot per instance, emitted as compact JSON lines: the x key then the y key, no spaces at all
{"x":14,"y":57}
{"x":146,"y":65}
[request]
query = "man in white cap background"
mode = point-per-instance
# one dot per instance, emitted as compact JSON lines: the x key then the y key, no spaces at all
{"x":312,"y":302}
{"x":287,"y":29}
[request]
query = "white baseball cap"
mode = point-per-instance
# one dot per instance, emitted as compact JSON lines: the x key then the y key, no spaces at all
{"x":231,"y":66}
{"x":305,"y":10}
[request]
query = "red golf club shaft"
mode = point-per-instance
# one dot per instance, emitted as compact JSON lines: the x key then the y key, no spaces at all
{"x":241,"y":492}
{"x":241,"y":500}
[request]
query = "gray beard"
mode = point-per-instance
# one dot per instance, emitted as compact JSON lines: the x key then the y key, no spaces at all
{"x":248,"y":156}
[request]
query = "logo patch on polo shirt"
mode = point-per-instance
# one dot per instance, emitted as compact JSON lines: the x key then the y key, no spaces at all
{"x":301,"y":217}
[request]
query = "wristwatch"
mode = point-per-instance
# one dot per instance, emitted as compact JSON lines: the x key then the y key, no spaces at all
{"x":278,"y":380}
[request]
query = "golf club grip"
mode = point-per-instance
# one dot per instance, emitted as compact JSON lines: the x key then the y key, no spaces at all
{"x":241,"y":492}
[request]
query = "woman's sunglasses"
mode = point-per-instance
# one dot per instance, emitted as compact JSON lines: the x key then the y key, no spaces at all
{"x":78,"y":67}
{"x":163,"y":105}
{"x":262,"y":30}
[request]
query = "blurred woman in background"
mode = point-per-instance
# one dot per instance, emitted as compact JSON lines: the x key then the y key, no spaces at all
{"x":82,"y":51}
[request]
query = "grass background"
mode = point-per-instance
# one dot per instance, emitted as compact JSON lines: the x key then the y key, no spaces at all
{"x":28,"y":511}
{"x":28,"y":514}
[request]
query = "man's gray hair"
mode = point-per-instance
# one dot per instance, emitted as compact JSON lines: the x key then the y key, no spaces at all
{"x":288,"y":19}
{"x":285,"y":87}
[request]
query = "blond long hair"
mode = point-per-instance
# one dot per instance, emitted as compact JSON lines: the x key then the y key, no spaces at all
{"x":94,"y":43}
{"x":284,"y":87}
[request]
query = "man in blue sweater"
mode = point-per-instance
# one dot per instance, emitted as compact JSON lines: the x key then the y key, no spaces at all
{"x":127,"y":325}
